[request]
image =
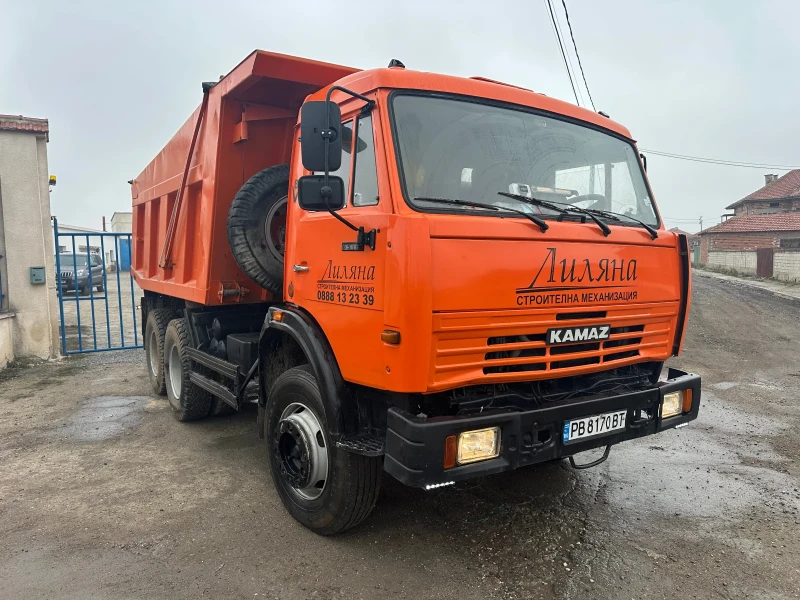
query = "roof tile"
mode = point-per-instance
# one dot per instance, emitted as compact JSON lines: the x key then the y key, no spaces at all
{"x":786,"y":186}
{"x":786,"y":221}
{"x":20,"y":123}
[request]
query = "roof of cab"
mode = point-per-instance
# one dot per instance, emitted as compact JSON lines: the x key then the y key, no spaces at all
{"x":399,"y":78}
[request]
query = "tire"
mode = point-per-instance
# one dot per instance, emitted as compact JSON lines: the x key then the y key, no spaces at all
{"x":154,"y":331}
{"x":351,"y":481}
{"x":255,"y":210}
{"x":100,"y":288}
{"x":187,"y":401}
{"x":84,"y":291}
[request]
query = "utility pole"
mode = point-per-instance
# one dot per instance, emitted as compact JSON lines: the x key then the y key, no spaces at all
{"x":701,"y":223}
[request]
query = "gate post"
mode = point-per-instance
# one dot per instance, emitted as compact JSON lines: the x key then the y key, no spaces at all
{"x":59,"y":291}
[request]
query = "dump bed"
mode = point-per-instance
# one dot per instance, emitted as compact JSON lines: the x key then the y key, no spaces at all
{"x":246,"y":126}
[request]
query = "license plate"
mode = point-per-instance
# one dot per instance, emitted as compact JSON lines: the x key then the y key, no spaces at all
{"x":587,"y":427}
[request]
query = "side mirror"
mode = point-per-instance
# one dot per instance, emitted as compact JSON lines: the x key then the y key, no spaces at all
{"x":314,"y":118}
{"x":310,"y":190}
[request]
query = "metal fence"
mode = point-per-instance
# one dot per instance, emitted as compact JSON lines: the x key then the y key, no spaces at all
{"x":98,"y":299}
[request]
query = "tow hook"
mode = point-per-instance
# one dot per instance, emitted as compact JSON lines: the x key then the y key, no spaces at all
{"x":594,"y":463}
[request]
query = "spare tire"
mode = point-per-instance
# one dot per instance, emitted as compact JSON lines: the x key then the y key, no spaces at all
{"x":257,"y":226}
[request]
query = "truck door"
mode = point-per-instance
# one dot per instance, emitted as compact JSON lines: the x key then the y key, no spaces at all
{"x":343,"y":289}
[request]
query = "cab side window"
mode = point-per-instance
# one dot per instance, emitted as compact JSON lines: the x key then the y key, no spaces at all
{"x":365,"y":179}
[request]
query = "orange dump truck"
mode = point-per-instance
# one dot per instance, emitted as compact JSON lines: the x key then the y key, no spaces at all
{"x":437,"y":277}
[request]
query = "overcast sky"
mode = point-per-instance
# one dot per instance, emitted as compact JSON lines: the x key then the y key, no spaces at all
{"x":116,"y":79}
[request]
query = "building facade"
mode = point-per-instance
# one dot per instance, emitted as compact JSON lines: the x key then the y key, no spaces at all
{"x":28,"y":307}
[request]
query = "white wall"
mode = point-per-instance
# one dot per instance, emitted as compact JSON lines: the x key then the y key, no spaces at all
{"x":6,"y":338}
{"x":28,"y":240}
{"x":786,"y":266}
{"x":121,"y":222}
{"x":742,"y":262}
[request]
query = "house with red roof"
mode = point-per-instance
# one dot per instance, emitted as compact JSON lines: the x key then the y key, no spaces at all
{"x":779,"y":194}
{"x":763,"y":236}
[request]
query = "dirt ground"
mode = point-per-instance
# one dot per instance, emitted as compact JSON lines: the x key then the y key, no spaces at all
{"x":104,"y":495}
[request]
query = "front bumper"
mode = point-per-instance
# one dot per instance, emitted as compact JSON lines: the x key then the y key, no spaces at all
{"x":69,"y":284}
{"x":415,"y":446}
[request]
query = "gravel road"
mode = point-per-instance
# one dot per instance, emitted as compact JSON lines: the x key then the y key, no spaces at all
{"x":104,"y":495}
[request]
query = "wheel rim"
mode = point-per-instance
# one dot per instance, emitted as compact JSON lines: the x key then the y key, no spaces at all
{"x":152,"y":355}
{"x":175,"y":369}
{"x":275,"y":228}
{"x":302,"y":451}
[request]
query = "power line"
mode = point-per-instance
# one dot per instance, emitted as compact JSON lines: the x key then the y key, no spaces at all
{"x":561,"y":47}
{"x":570,"y":70}
{"x":719,"y":161}
{"x":574,"y":45}
{"x":569,"y":58}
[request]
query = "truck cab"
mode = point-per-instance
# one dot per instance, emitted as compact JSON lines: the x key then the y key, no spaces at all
{"x":519,"y":295}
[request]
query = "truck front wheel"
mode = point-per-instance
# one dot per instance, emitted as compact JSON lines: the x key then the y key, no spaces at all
{"x":188,"y":401}
{"x":326,"y":488}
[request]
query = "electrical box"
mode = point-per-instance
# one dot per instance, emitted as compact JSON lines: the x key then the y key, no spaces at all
{"x":37,"y":276}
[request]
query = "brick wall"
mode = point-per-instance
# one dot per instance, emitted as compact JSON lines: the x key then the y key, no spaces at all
{"x":786,"y":265}
{"x":741,"y":262}
{"x":746,"y":241}
{"x":758,"y":207}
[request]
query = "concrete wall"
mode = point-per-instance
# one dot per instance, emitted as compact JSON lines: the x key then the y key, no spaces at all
{"x":741,"y":262}
{"x":28,"y":241}
{"x":786,"y":265}
{"x":121,"y":222}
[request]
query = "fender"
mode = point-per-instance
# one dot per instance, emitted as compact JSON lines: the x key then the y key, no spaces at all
{"x":298,"y":324}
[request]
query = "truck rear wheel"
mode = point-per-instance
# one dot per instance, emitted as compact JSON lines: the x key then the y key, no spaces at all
{"x":257,"y":226}
{"x":326,"y":488}
{"x":154,"y":331}
{"x":187,"y":401}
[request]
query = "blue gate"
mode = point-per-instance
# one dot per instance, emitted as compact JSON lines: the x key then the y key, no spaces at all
{"x":98,"y":300}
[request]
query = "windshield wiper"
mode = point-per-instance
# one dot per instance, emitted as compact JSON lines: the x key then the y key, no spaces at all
{"x":615,"y":216}
{"x":553,"y":206}
{"x":533,"y":219}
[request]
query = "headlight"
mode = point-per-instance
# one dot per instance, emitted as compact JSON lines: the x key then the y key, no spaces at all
{"x":81,"y":273}
{"x":480,"y":444}
{"x":676,"y":403}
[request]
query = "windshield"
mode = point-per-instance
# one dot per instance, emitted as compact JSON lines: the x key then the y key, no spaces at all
{"x":468,"y":151}
{"x":67,"y":260}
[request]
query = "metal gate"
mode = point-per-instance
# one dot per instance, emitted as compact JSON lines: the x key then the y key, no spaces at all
{"x":98,"y":300}
{"x":764,"y":262}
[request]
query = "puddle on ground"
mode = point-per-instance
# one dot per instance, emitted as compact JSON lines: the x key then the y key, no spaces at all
{"x":704,"y":470}
{"x":104,"y":417}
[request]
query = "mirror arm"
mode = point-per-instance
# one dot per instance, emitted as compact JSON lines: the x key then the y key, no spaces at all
{"x":326,"y":191}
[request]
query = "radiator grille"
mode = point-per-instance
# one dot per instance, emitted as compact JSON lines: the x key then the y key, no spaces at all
{"x":514,"y":345}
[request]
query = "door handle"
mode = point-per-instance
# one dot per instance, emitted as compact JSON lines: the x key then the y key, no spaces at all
{"x":300,"y":269}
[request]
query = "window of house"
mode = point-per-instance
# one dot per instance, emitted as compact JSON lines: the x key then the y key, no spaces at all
{"x":365,"y":179}
{"x":774,"y":204}
{"x":791,"y":243}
